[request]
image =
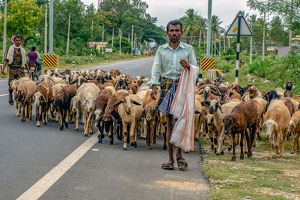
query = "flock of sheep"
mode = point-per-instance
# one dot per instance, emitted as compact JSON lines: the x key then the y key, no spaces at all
{"x":117,"y":104}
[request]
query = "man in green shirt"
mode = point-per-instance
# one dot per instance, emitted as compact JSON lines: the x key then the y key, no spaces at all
{"x":170,"y":61}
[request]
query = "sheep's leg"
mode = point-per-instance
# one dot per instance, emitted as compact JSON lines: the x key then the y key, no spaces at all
{"x":77,"y":119}
{"x":151,"y":135}
{"x":63,"y":115}
{"x":44,"y":111}
{"x":91,"y":119}
{"x":128,"y":133}
{"x":132,"y":135}
{"x":155,"y":134}
{"x":220,"y":149}
{"x":165,"y":138}
{"x":23,"y":113}
{"x":111,"y":133}
{"x":241,"y":144}
{"x":100,"y":132}
{"x":295,"y":141}
{"x":206,"y":130}
{"x":148,"y":133}
{"x":27,"y":109}
{"x":125,"y":135}
{"x":37,"y":116}
{"x":144,"y":132}
{"x":215,"y":141}
{"x":270,"y":146}
{"x":233,"y":147}
{"x":286,"y":131}
{"x":85,"y":126}
{"x":18,"y":109}
{"x":278,"y":140}
{"x":119,"y":131}
{"x":30,"y":108}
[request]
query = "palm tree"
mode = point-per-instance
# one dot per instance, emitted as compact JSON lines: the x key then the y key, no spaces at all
{"x":190,"y":23}
{"x":215,"y":27}
{"x":202,"y":26}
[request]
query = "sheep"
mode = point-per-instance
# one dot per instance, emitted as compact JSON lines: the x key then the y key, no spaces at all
{"x":75,"y":108}
{"x":111,"y":112}
{"x":294,"y":127}
{"x":79,"y":81}
{"x":25,"y":93}
{"x":212,"y":131}
{"x":242,"y":116}
{"x":14,"y":86}
{"x":219,"y":112}
{"x":42,"y":97}
{"x":280,"y":91}
{"x":163,"y":124}
{"x":291,"y":104}
{"x":87,"y":96}
{"x":276,"y":120}
{"x":62,"y":103}
{"x":251,"y":93}
{"x":100,"y":106}
{"x":130,"y":110}
{"x":234,"y":95}
{"x":289,"y":86}
{"x":198,"y":118}
{"x":270,"y":96}
{"x":151,"y":118}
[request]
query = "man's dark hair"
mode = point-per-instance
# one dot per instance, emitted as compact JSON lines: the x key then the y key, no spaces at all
{"x":33,"y":48}
{"x":17,"y":36}
{"x":174,"y":22}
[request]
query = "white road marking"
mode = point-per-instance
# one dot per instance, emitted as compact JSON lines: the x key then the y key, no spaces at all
{"x":2,"y":95}
{"x":40,"y":187}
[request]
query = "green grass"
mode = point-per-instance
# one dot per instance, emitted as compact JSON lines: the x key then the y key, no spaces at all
{"x":257,"y":177}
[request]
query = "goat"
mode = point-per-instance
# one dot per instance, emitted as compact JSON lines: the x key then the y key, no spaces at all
{"x":289,"y":86}
{"x":276,"y":120}
{"x":294,"y":127}
{"x":242,"y":116}
{"x":42,"y":97}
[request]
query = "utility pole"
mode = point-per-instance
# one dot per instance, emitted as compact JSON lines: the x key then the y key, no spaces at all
{"x":219,"y":45}
{"x":113,"y":34}
{"x":251,"y":43}
{"x":4,"y":32}
{"x":131,"y":38}
{"x":208,"y":29}
{"x":92,"y":29}
{"x":120,"y":32}
{"x":102,"y":37}
{"x":68,"y":36}
{"x":45,"y":42}
{"x":263,"y":47}
{"x":134,"y":43}
{"x":204,"y":39}
{"x":51,"y":29}
{"x":200,"y":38}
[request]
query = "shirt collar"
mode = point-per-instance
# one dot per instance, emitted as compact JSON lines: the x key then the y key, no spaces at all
{"x":180,"y":45}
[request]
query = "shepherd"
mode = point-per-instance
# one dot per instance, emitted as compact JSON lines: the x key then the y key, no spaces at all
{"x":174,"y":68}
{"x":16,"y":60}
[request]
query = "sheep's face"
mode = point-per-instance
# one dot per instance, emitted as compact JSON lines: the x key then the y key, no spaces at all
{"x":68,"y":78}
{"x":74,"y":103}
{"x":21,"y":96}
{"x":210,"y":119}
{"x":127,"y":105}
{"x":213,"y":106}
{"x":228,"y":124}
{"x":56,"y":72}
{"x":89,"y":104}
{"x":289,"y":85}
{"x":271,"y":126}
{"x":252,"y":92}
{"x":39,"y":99}
{"x":224,"y":98}
{"x":206,"y":93}
{"x":149,"y":112}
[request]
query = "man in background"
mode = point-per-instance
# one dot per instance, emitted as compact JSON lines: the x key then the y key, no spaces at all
{"x":16,"y":60}
{"x":35,"y":57}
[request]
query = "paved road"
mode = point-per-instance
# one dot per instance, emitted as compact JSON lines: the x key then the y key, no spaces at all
{"x":47,"y":163}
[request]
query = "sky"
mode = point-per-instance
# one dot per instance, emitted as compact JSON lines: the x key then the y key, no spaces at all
{"x":167,"y":10}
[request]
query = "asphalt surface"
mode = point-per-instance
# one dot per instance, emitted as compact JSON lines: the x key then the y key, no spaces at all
{"x":28,"y":153}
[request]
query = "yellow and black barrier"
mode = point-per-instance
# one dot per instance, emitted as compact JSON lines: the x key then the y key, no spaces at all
{"x":207,"y":63}
{"x":51,"y":60}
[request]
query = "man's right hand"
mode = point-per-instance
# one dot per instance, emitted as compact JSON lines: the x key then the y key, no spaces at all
{"x":154,"y":92}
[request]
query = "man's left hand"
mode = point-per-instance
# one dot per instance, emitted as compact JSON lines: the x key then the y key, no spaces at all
{"x":184,"y":64}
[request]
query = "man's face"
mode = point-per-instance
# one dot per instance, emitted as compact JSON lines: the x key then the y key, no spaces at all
{"x":18,"y":41}
{"x":174,"y":33}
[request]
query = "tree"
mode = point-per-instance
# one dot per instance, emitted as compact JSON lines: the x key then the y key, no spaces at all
{"x":277,"y":33}
{"x":22,"y":17}
{"x":215,"y":28}
{"x":190,"y":23}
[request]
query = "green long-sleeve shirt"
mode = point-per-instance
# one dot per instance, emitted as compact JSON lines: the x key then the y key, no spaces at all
{"x":166,"y":62}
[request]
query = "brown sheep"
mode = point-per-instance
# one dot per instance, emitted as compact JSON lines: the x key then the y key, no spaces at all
{"x":291,"y":104}
{"x":242,"y":116}
{"x":276,"y":120}
{"x":134,"y":87}
{"x":42,"y":97}
{"x":294,"y":127}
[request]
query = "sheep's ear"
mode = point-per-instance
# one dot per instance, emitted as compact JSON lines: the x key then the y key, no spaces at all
{"x":43,"y":97}
{"x":197,"y":112}
{"x":118,"y":103}
{"x":284,"y":86}
{"x":203,"y":103}
{"x":293,"y":87}
{"x":136,"y":103}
